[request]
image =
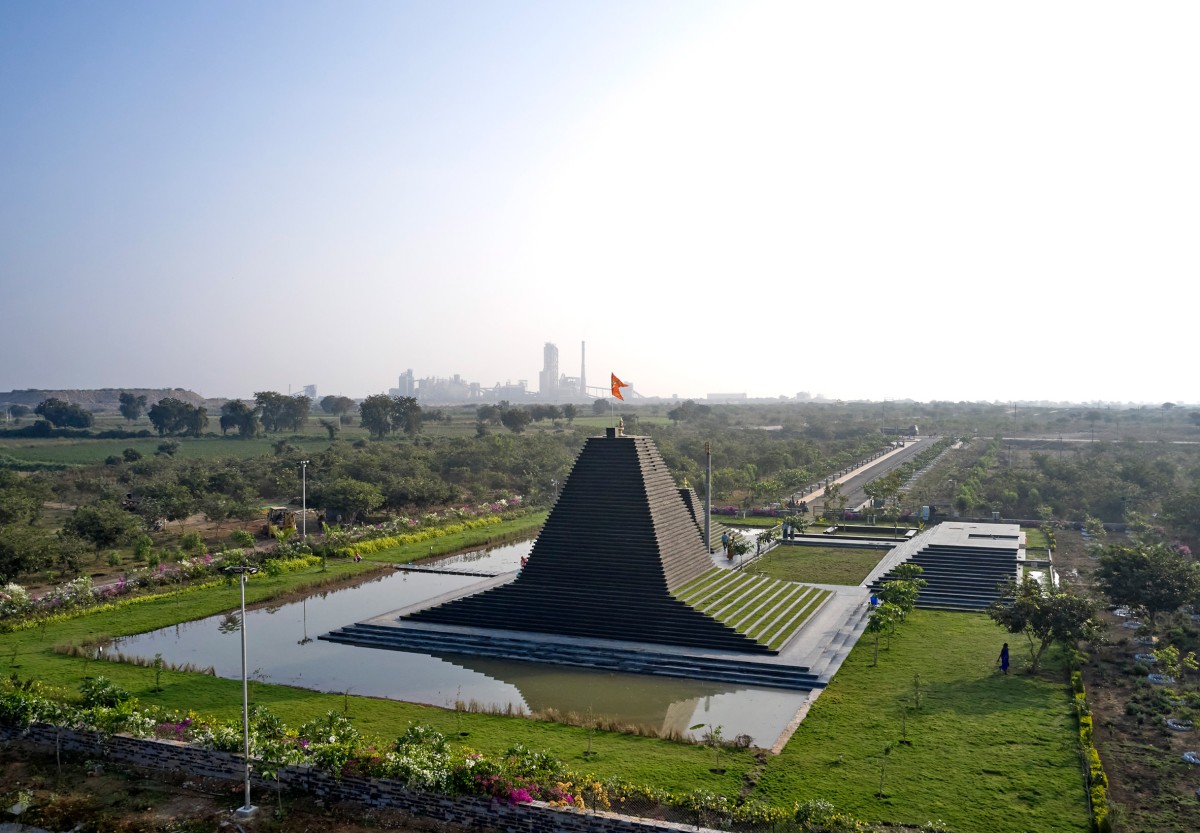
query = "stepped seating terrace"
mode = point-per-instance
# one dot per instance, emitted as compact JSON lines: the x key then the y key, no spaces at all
{"x":964,"y":571}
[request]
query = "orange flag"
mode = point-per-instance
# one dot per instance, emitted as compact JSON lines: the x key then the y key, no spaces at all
{"x":617,"y":384}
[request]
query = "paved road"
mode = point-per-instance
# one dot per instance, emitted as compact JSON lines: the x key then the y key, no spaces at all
{"x":852,"y":483}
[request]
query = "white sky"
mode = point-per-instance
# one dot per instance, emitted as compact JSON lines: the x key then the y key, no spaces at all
{"x":868,"y":200}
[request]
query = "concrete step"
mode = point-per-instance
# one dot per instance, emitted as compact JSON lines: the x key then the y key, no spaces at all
{"x":590,"y":656}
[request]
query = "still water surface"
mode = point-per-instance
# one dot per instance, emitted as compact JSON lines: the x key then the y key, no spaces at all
{"x":282,"y":648}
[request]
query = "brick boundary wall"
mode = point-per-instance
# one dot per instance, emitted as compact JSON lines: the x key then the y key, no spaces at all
{"x":468,"y":811}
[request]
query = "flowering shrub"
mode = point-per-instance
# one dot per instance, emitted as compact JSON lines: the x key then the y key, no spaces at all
{"x":14,"y":600}
{"x":822,"y":817}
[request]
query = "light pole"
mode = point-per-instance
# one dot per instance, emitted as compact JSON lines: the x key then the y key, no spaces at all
{"x":247,"y":810}
{"x":303,"y":500}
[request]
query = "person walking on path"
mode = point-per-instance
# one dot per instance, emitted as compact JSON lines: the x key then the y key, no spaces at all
{"x":1003,"y":660}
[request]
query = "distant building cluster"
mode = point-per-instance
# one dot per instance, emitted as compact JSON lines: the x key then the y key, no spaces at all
{"x":554,"y":387}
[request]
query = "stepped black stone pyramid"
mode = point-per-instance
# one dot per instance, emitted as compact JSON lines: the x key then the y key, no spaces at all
{"x":618,"y":541}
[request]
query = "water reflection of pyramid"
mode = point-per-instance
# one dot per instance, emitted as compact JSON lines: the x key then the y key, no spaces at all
{"x":665,"y":703}
{"x":619,"y":540}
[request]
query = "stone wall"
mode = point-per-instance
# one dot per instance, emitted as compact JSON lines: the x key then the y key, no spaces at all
{"x":468,"y":811}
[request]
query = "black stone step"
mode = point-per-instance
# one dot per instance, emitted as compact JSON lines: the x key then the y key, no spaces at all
{"x":591,"y":656}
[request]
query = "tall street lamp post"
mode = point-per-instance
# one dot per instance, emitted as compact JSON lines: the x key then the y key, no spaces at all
{"x":304,"y":500}
{"x":246,"y":810}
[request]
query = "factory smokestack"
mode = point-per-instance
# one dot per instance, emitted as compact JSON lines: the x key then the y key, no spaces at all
{"x":583,"y":368}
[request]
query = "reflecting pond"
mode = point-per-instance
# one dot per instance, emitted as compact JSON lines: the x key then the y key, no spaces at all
{"x":283,"y":649}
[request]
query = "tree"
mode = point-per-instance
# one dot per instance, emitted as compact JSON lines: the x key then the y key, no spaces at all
{"x":103,"y":524}
{"x":279,"y":412}
{"x":24,"y":549}
{"x":62,"y":414}
{"x":237,"y":414}
{"x":376,"y":415}
{"x":1151,"y":577}
{"x":835,"y":500}
{"x":540,"y":412}
{"x":337,"y":405}
{"x":882,"y":620}
{"x":167,"y":500}
{"x":1045,"y":617}
{"x":21,"y":498}
{"x":408,"y":414}
{"x":174,"y":416}
{"x":569,"y":412}
{"x":902,"y":595}
{"x":516,"y":419}
{"x":382,"y":414}
{"x":902,"y":591}
{"x":331,"y":428}
{"x":688,"y":411}
{"x":488,"y":414}
{"x":350,"y":497}
{"x":796,"y":524}
{"x":131,"y":407}
{"x":295,"y":412}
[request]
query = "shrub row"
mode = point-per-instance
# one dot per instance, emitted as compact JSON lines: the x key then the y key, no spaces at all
{"x":1097,"y":781}
{"x":407,"y":538}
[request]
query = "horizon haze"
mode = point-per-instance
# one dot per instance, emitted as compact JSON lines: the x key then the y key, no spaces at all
{"x":926,"y":201}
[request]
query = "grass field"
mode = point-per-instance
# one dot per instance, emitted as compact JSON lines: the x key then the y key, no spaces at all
{"x":818,"y":565}
{"x":988,"y":752}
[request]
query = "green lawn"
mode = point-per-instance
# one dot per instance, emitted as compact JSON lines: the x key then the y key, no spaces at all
{"x":1036,"y":539}
{"x":818,"y":565}
{"x":989,"y":753}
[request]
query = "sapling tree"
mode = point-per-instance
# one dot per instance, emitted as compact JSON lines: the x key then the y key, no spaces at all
{"x":1175,"y":663}
{"x":738,"y":545}
{"x":712,"y":738}
{"x":887,"y":751}
{"x":881,"y":621}
{"x":158,"y":664}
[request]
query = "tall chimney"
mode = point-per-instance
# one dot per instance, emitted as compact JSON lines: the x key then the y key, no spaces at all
{"x":583,"y":369}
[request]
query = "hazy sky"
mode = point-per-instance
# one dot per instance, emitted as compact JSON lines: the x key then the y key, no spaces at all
{"x":868,"y":200}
